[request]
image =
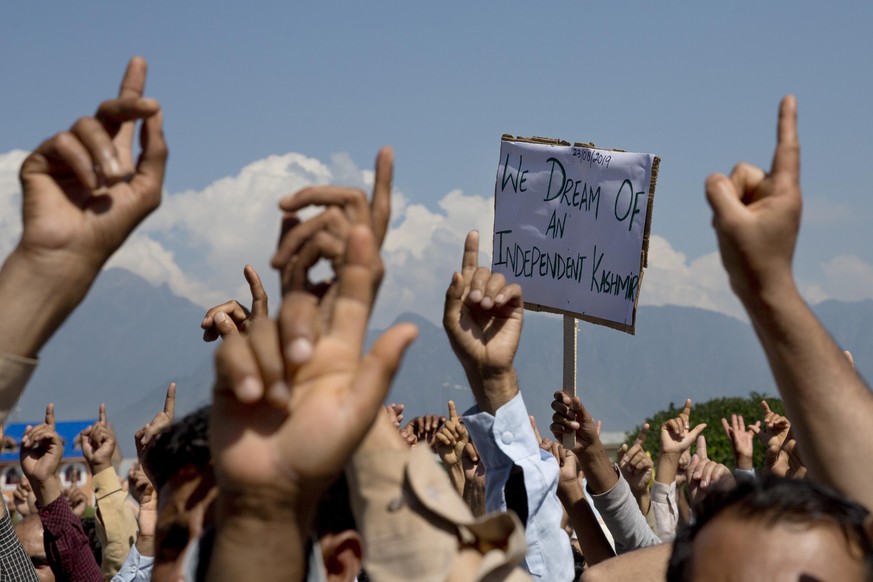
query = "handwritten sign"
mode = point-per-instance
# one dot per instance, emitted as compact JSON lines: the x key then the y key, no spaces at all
{"x":571,"y":225}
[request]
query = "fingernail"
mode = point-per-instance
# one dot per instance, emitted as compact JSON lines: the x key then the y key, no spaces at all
{"x":500,"y":298}
{"x":279,"y":393}
{"x":476,"y":296}
{"x":249,"y":389}
{"x":220,"y":317}
{"x":487,"y":303}
{"x":299,"y":351}
{"x":114,"y":167}
{"x":705,"y":482}
{"x":575,"y":425}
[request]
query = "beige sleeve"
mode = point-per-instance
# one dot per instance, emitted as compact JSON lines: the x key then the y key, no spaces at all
{"x":116,"y":524}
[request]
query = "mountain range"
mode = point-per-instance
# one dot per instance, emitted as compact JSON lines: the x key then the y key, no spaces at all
{"x":129,"y":339}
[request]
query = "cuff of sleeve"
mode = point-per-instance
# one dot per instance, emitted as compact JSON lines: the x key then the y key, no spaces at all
{"x":661,"y":491}
{"x":504,"y":438}
{"x":105,"y":483}
{"x":615,"y":497}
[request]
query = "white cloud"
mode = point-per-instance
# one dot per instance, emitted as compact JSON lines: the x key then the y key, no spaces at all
{"x":845,"y":277}
{"x":819,"y":211}
{"x":199,"y":241}
{"x":671,"y":280}
{"x":424,"y":247}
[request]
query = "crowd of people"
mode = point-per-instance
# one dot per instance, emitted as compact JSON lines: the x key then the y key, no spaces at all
{"x":297,"y":470}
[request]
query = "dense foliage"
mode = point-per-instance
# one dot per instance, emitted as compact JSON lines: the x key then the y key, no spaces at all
{"x":711,"y":412}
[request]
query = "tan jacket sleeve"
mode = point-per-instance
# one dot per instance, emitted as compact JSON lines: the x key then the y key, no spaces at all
{"x":416,"y":527}
{"x":15,"y":371}
{"x":116,"y":524}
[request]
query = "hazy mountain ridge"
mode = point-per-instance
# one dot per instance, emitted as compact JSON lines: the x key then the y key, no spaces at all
{"x":129,"y":339}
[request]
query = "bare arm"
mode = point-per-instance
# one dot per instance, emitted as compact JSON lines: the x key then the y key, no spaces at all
{"x":757,"y":217}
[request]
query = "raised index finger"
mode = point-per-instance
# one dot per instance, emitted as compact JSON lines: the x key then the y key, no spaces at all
{"x":786,"y":158}
{"x":170,"y":401}
{"x":641,"y":438}
{"x":102,"y":415}
{"x":471,"y":255}
{"x":380,"y":204}
{"x":50,"y":414}
{"x":453,"y":412}
{"x":259,"y":296}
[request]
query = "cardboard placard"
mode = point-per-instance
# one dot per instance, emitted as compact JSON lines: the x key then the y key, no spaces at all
{"x":571,"y":225}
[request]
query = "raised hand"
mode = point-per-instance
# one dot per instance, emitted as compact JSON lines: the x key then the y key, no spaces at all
{"x":231,"y":317}
{"x":756,"y":215}
{"x":303,"y":244}
{"x":702,"y":473}
{"x":24,"y":498}
{"x":425,"y":428}
{"x":265,"y":405}
{"x":677,"y":435}
{"x":41,"y":453}
{"x":572,"y":417}
{"x":483,"y":319}
{"x":676,"y":439}
{"x":775,"y":428}
{"x":98,"y":443}
{"x":77,"y":499}
{"x":742,"y":440}
{"x":395,"y":412}
{"x":451,"y":438}
{"x":82,"y":197}
{"x":161,"y":422}
{"x":636,"y":465}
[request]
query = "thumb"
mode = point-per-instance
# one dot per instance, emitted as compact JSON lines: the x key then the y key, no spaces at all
{"x":619,"y":458}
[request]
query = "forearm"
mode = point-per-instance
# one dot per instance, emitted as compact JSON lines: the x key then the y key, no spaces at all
{"x":258,"y":541}
{"x":456,"y":476}
{"x":592,"y":540}
{"x":36,"y":296}
{"x":599,"y":470}
{"x":623,"y":518}
{"x":820,"y":390}
{"x":667,"y":467}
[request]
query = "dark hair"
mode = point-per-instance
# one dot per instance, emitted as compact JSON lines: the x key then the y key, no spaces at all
{"x":185,"y":443}
{"x":334,"y":514}
{"x":771,"y":501}
{"x":89,"y":526}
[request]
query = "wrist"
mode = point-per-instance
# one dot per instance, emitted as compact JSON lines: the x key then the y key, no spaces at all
{"x":569,"y":492}
{"x":47,"y":491}
{"x":771,"y":295}
{"x":493,"y":387}
{"x":744,"y":462}
{"x":98,"y":467}
{"x":599,"y":470}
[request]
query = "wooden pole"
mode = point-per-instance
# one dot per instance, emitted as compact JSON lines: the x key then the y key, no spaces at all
{"x":570,"y":350}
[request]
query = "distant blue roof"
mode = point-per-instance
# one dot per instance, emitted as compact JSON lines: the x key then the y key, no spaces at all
{"x":68,"y":430}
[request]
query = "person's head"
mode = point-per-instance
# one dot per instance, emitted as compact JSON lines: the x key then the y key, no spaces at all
{"x":30,"y":533}
{"x":180,"y":465}
{"x":771,"y":529}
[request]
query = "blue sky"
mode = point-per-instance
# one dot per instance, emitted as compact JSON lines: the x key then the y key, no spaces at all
{"x":697,"y":84}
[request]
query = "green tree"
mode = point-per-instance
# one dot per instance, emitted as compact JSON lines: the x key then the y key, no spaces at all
{"x":711,"y":412}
